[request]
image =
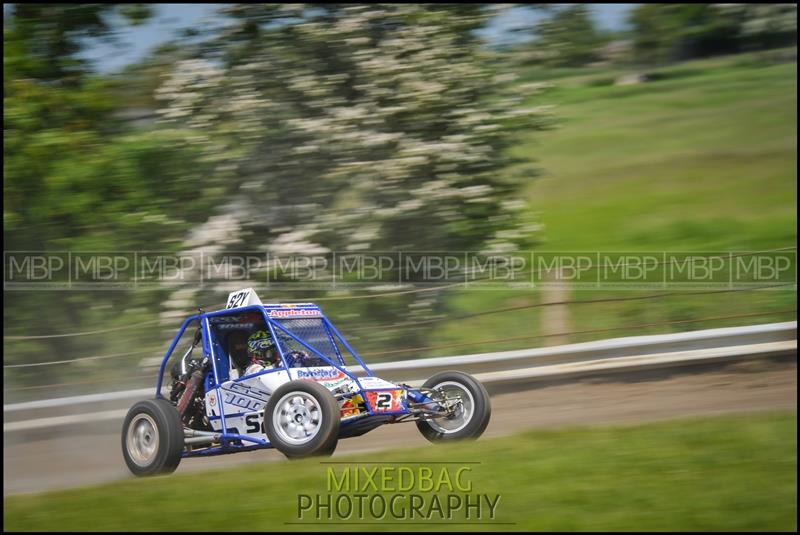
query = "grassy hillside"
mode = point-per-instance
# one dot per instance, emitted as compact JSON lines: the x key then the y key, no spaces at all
{"x":718,"y":473}
{"x":702,"y":158}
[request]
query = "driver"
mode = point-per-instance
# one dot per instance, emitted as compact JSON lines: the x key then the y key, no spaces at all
{"x":262,"y":352}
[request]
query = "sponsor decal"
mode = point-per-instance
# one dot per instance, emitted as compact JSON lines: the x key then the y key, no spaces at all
{"x":327,"y":377}
{"x":243,"y":317}
{"x":212,"y":399}
{"x":290,"y":305}
{"x":294,"y":313}
{"x":325,"y":374}
{"x":245,"y":396}
{"x":223,"y":326}
{"x":375,"y":382}
{"x":242,"y":401}
{"x":248,"y":390}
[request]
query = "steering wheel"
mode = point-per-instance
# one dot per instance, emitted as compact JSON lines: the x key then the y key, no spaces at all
{"x":299,"y":359}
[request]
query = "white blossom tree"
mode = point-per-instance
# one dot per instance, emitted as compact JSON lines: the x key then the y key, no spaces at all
{"x":356,"y":127}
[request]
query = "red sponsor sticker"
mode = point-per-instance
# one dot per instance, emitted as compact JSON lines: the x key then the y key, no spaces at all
{"x":385,"y":400}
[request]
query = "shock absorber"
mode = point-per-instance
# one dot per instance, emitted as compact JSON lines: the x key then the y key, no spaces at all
{"x":188,"y":392}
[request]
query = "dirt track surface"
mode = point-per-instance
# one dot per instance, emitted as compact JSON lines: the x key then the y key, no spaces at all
{"x":92,"y":454}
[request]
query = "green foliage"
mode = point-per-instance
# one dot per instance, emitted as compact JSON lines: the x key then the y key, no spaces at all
{"x":721,"y":473}
{"x":46,"y":38}
{"x":72,"y":176}
{"x":76,"y":179}
{"x":568,"y":38}
{"x":669,"y":32}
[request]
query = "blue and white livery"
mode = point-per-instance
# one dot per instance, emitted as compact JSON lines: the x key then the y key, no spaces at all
{"x":316,"y":391}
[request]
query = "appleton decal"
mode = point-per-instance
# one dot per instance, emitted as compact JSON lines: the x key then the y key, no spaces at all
{"x":294,"y":313}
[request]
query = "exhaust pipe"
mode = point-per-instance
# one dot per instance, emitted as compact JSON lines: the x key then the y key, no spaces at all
{"x":195,"y":433}
{"x":201,"y":440}
{"x":194,"y":437}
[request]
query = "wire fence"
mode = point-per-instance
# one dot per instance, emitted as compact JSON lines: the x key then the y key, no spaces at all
{"x":497,"y":341}
{"x":385,"y":327}
{"x":587,"y":331}
{"x":560,"y":303}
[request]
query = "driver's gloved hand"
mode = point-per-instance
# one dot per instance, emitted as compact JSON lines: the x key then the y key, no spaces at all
{"x":298,"y":358}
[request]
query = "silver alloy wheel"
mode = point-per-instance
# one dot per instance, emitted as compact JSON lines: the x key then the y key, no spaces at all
{"x":463,"y":412}
{"x":297,"y":417}
{"x":142,"y":439}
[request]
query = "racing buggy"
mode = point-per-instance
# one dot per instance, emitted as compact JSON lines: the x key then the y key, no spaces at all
{"x":312,"y":391}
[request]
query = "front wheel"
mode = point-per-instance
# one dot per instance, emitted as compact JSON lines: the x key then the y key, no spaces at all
{"x":467,"y":402}
{"x":302,"y":420}
{"x":152,"y":438}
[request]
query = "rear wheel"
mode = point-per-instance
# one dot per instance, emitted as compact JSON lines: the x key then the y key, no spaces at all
{"x":468,"y":401}
{"x":152,"y":438}
{"x":302,"y":420}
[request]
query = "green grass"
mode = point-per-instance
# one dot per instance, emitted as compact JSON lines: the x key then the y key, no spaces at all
{"x":704,"y":161}
{"x":714,"y":473}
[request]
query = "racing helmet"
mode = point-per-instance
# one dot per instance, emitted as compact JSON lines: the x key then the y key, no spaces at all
{"x":261,"y":348}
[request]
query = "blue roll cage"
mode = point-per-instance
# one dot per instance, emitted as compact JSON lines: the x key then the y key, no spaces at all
{"x":229,"y":440}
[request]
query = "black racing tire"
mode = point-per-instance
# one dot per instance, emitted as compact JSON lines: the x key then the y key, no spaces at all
{"x":321,"y":453}
{"x":330,"y":449}
{"x":474,"y":424}
{"x":316,"y":407}
{"x":152,"y":438}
